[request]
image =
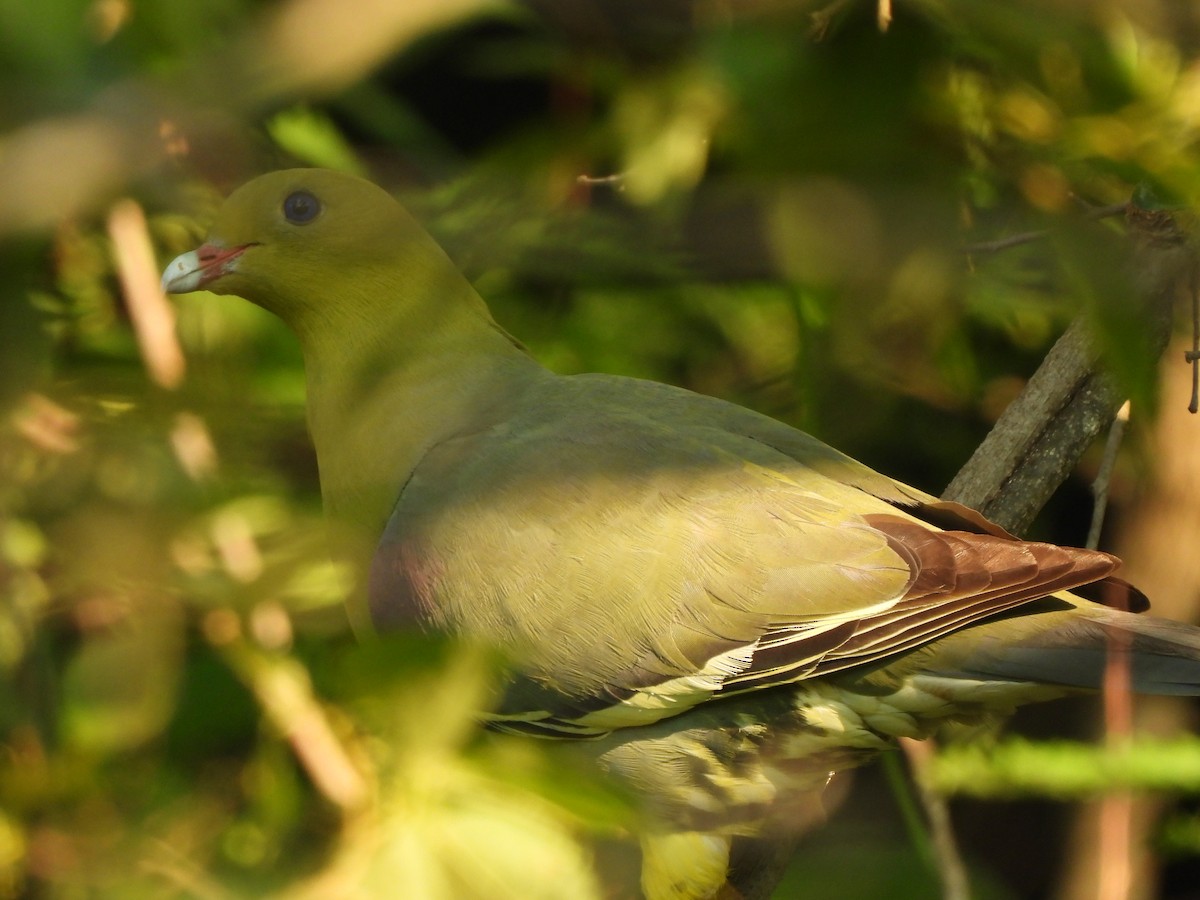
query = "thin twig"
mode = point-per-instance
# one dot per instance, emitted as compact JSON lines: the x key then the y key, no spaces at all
{"x":1103,"y":212}
{"x":883,"y":14}
{"x":284,"y":691}
{"x":823,"y":18}
{"x":1193,"y":355}
{"x":1028,"y":237}
{"x":617,"y":179}
{"x":1013,"y":240}
{"x":1116,"y":433}
{"x":153,"y":317}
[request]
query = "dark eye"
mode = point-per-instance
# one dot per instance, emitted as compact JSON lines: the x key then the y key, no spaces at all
{"x":301,"y":207}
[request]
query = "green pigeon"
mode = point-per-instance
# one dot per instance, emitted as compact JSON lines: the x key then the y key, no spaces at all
{"x":719,"y":606}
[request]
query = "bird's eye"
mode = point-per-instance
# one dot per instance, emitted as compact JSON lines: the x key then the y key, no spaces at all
{"x":301,"y":207}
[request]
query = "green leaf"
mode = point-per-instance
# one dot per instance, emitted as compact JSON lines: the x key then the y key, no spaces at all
{"x":1018,"y":767}
{"x":313,"y":138}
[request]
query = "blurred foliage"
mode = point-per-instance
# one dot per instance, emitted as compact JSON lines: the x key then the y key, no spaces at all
{"x":767,"y":201}
{"x":1061,"y":769}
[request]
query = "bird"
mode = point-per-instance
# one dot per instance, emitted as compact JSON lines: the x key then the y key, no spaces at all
{"x":718,"y":606}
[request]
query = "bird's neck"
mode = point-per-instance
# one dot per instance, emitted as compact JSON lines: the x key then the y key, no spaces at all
{"x":385,"y":385}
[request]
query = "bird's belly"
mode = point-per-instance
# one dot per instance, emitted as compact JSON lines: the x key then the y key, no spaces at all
{"x":723,"y":770}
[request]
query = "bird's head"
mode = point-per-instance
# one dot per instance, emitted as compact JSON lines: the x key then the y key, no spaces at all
{"x":292,"y":241}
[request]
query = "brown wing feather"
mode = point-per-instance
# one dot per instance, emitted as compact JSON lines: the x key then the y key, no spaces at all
{"x":957,"y":578}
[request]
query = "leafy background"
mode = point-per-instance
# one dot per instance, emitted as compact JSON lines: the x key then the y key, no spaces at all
{"x":772,"y":201}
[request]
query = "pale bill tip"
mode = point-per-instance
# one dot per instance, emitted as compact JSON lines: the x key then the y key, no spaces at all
{"x":182,"y":274}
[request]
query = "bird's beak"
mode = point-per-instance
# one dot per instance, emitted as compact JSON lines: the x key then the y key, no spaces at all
{"x":193,"y":270}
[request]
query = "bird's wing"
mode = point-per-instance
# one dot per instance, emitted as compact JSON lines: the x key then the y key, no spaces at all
{"x":640,"y":550}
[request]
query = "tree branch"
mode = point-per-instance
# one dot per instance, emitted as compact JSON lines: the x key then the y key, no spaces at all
{"x":1041,"y":435}
{"x":1029,"y":452}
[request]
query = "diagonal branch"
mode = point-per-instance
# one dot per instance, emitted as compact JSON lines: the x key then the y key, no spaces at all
{"x":1027,"y":455}
{"x":1069,"y":401}
{"x":1039,"y":439}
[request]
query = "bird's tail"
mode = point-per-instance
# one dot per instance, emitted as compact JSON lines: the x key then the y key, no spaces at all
{"x":1069,"y":643}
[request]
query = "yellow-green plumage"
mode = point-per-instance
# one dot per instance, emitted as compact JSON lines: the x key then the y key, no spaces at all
{"x":726,"y":606}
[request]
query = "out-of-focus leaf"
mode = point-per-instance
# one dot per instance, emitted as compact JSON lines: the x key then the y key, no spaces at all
{"x":438,"y":804}
{"x":26,"y":356}
{"x":107,"y":707}
{"x":1096,"y":267}
{"x":195,"y":734}
{"x":667,"y":128}
{"x":864,"y":866}
{"x":1017,"y":767}
{"x":13,"y":852}
{"x":47,"y":41}
{"x":1180,"y":835}
{"x":313,"y":139}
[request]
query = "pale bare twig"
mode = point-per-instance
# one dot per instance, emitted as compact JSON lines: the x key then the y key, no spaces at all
{"x":47,"y":425}
{"x":883,"y":14}
{"x":193,"y":446}
{"x":153,"y":317}
{"x":1193,"y":356}
{"x":617,"y":178}
{"x":1116,"y":433}
{"x":282,"y":687}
